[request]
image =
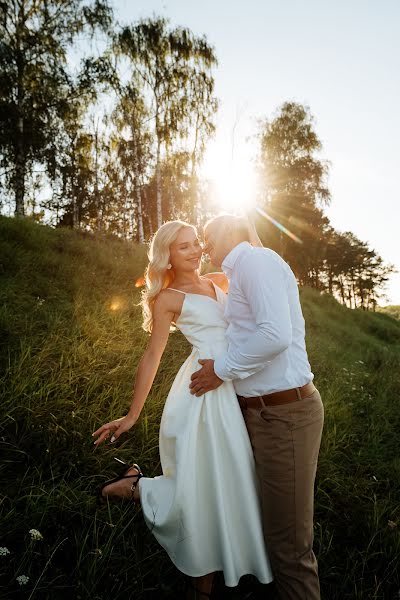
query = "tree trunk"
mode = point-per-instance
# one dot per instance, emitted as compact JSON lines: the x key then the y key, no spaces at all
{"x":330,"y":283}
{"x":195,"y":201}
{"x":139,"y":213}
{"x":125,"y":219}
{"x":193,"y":178}
{"x":341,"y":288}
{"x":150,"y":222}
{"x":349,"y":297}
{"x":168,"y":180}
{"x":20,"y":168}
{"x":158,"y":170}
{"x":317,"y":278}
{"x":137,"y":172}
{"x":99,"y":211}
{"x":20,"y":156}
{"x":75,"y":213}
{"x":75,"y":207}
{"x":158,"y":183}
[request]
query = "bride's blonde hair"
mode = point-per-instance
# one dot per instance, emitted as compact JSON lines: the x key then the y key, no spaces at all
{"x":157,"y":275}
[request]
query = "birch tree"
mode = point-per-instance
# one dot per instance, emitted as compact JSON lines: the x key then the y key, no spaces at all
{"x":133,"y":140}
{"x":34,"y":81}
{"x":164,"y":61}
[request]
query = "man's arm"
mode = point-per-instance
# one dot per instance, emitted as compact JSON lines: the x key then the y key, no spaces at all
{"x":264,"y":285}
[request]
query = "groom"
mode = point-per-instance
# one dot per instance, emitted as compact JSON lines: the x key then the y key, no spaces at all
{"x":284,"y":415}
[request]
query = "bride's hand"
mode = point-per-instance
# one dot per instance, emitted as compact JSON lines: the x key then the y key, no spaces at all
{"x":118,"y":426}
{"x":253,"y":235}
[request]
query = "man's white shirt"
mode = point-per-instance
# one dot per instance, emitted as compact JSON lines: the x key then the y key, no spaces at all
{"x":266,"y":328}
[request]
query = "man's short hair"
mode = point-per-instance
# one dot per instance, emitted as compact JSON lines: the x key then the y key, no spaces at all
{"x":234,"y":222}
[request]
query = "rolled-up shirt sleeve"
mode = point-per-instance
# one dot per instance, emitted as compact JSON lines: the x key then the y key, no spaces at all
{"x":263,"y":282}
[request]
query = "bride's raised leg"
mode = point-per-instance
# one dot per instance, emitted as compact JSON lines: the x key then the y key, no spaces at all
{"x":122,"y":487}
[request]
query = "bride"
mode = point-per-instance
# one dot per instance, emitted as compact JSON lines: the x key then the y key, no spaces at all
{"x":204,"y":509}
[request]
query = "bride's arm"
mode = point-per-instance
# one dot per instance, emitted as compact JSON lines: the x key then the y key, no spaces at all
{"x":254,"y":239}
{"x":146,"y":371}
{"x":149,"y":363}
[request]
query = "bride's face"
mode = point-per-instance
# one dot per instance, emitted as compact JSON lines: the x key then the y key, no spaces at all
{"x":186,"y":251}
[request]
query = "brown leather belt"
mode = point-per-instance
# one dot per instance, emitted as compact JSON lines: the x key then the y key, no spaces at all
{"x":282,"y":397}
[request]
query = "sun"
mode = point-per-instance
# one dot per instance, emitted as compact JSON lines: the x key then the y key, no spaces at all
{"x":235,"y":190}
{"x":232,"y":183}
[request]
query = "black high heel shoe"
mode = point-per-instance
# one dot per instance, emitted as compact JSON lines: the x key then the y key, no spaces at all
{"x":103,"y":499}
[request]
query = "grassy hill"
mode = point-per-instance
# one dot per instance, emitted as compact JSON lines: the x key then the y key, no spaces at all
{"x":71,"y":338}
{"x":392,"y":310}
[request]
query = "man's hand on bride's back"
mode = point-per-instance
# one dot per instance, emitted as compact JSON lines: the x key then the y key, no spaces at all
{"x":205,"y":379}
{"x":116,"y":427}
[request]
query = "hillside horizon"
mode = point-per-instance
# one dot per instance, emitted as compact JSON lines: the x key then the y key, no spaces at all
{"x":71,"y":340}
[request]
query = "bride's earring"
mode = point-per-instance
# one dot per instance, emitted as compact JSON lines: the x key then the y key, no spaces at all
{"x":169,"y":266}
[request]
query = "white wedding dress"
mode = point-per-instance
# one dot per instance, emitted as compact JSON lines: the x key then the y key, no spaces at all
{"x":205,"y":509}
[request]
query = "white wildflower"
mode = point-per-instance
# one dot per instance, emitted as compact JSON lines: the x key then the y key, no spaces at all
{"x":22,"y":579}
{"x":35,"y":534}
{"x":4,"y":551}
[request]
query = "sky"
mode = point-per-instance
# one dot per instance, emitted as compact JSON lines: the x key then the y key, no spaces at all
{"x":342,"y":60}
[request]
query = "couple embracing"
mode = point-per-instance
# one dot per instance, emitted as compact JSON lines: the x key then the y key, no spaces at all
{"x":241,"y":427}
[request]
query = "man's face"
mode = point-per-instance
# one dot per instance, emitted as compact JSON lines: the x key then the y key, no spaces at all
{"x":215,"y":245}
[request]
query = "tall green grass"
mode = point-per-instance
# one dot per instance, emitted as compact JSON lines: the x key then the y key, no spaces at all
{"x":71,"y":339}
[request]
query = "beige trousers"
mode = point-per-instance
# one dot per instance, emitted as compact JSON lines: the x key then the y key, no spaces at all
{"x":286,"y":440}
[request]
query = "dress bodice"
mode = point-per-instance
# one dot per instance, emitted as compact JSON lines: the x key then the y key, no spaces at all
{"x":202,"y":322}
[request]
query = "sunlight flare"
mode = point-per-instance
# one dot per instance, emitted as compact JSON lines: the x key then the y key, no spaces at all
{"x":279,"y":225}
{"x":116,"y":304}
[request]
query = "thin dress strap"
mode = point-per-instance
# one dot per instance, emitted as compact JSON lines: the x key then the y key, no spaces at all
{"x":175,"y":290}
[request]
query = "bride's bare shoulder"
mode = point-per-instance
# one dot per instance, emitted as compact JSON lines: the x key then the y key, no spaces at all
{"x":220,"y":279}
{"x":168,"y":301}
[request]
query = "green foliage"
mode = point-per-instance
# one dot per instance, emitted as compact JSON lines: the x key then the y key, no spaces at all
{"x":163,"y":111}
{"x":171,"y":71}
{"x":72,"y":339}
{"x":291,"y":220}
{"x":37,"y":91}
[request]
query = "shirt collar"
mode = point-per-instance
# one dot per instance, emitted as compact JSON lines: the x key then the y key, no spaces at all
{"x":230,"y":259}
